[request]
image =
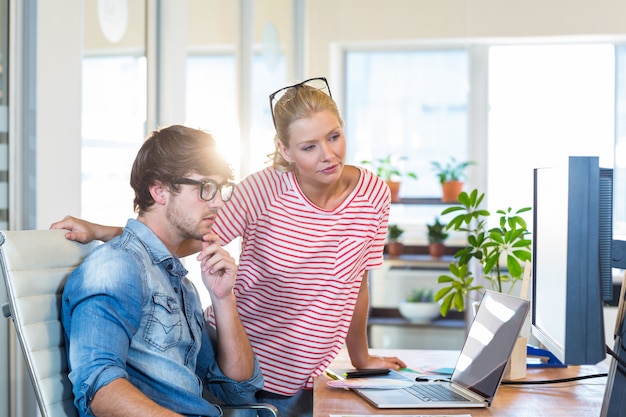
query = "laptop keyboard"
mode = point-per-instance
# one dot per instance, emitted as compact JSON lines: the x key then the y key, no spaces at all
{"x":434,"y":392}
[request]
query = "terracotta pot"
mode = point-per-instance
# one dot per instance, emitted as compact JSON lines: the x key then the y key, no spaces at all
{"x":450,"y":191}
{"x":394,"y":187}
{"x":394,"y":249}
{"x":436,"y":250}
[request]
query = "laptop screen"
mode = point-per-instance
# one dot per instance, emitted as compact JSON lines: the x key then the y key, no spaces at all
{"x":489,"y":343}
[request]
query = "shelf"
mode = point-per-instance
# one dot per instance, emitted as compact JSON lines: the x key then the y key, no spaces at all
{"x":442,"y":323}
{"x":392,"y":317}
{"x":417,"y":253}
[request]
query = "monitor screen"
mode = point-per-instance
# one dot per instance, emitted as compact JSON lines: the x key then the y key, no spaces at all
{"x":572,"y":241}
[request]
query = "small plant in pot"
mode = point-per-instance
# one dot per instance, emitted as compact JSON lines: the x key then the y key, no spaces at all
{"x":421,"y":295}
{"x":437,"y":235}
{"x":419,"y":306}
{"x":394,"y":246}
{"x":388,"y":168}
{"x":451,"y":176}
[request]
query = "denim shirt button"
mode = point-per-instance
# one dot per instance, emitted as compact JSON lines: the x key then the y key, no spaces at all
{"x":176,"y":290}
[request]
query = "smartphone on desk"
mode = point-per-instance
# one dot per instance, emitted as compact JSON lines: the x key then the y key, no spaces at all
{"x":364,"y":373}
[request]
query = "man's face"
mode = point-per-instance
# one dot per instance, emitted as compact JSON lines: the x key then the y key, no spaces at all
{"x":190,"y":214}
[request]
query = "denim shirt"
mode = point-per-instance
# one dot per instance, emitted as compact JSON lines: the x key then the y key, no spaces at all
{"x":130,"y":312}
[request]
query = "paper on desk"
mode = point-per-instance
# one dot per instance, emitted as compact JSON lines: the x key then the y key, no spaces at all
{"x":376,"y":383}
{"x":403,"y":415}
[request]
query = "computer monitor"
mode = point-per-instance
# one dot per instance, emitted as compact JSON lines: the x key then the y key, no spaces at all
{"x":572,"y":262}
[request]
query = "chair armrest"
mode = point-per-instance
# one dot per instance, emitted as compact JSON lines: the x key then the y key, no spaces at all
{"x":258,"y":406}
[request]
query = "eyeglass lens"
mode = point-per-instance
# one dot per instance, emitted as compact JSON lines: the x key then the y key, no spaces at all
{"x":209,"y":189}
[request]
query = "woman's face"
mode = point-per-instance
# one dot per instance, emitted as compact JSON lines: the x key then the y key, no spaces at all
{"x":317,"y":147}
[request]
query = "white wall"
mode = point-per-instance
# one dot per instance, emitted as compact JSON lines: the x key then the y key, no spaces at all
{"x":355,"y":21}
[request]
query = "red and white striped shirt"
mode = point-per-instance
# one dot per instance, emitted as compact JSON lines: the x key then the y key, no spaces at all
{"x":300,"y":269}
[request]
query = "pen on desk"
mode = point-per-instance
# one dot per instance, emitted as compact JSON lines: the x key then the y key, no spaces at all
{"x":331,"y":375}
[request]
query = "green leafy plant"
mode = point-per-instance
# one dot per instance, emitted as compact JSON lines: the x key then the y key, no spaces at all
{"x":421,"y":295}
{"x":451,"y":170}
{"x":387,"y":168}
{"x":394,"y":232}
{"x":437,"y":232}
{"x":489,"y":247}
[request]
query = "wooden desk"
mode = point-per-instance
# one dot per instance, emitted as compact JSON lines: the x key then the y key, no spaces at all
{"x":579,"y":398}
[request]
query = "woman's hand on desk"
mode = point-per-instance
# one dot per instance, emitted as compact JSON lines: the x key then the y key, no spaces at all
{"x":390,"y":362}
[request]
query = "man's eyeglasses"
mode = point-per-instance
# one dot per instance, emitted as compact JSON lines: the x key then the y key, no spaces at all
{"x":209,"y":188}
{"x":287,"y":93}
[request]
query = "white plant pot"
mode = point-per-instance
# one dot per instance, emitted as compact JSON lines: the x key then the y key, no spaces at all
{"x":419,"y":312}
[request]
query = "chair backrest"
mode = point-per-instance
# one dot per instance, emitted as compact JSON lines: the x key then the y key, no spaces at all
{"x":35,"y":265}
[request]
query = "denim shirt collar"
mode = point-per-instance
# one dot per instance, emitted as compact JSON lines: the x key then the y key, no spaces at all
{"x":158,"y":252}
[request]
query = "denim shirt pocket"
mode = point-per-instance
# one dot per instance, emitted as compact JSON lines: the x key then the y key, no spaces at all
{"x":164,"y":327}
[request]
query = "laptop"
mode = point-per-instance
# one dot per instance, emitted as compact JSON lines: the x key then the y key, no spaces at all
{"x":479,"y":367}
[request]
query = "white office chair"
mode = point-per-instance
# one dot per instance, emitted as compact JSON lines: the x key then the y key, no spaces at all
{"x":35,"y":265}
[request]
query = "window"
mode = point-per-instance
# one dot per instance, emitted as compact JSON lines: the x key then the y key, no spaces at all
{"x":412,"y":103}
{"x":114,"y":113}
{"x":545,"y":102}
{"x":211,"y":104}
{"x":113,"y":126}
{"x":211,"y":101}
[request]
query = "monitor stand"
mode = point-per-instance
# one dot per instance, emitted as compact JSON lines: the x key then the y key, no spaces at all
{"x":547,"y":358}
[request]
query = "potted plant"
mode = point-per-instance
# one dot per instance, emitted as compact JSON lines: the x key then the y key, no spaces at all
{"x":451,"y":176}
{"x":489,"y":248}
{"x":394,"y":246}
{"x":437,"y":235}
{"x":419,"y":306}
{"x":388,"y":169}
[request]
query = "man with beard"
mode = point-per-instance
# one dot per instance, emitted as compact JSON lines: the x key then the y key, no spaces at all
{"x":137,"y":341}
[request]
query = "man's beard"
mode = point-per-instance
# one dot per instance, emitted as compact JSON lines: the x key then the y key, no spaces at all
{"x":187,"y":227}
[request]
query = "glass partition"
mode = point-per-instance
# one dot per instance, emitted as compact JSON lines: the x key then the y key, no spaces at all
{"x":4,"y":115}
{"x":5,"y":380}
